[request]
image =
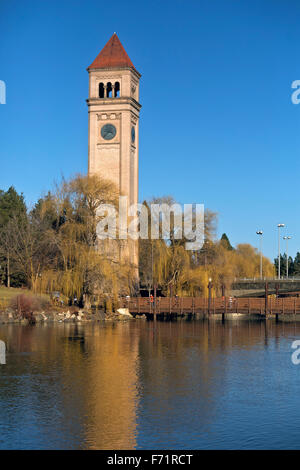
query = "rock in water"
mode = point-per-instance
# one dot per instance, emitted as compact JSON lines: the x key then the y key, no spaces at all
{"x":124,"y":311}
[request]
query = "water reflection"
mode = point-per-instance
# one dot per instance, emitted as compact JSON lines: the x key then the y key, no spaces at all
{"x":111,"y":396}
{"x":144,"y":385}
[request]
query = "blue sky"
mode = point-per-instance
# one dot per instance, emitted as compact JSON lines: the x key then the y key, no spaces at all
{"x":217,"y":124}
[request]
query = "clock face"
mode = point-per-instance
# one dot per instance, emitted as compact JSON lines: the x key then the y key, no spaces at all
{"x":108,"y":131}
{"x":132,"y":134}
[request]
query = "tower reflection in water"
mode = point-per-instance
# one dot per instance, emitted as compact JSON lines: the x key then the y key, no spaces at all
{"x":112,"y":388}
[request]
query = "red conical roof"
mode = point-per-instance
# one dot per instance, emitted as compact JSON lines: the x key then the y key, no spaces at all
{"x":113,"y":55}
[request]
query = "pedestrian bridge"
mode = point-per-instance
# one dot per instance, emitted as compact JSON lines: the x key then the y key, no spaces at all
{"x":257,"y":287}
{"x":179,"y":306}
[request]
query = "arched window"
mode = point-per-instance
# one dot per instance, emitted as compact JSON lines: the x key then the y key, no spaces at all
{"x":109,"y":90}
{"x":101,"y":90}
{"x":117,"y":90}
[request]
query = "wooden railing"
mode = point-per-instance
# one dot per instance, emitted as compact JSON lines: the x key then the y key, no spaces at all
{"x":193,"y":305}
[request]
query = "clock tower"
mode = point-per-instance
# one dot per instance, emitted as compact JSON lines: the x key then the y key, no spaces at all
{"x":113,"y":106}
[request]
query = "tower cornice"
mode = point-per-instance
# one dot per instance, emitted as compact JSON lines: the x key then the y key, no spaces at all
{"x":114,"y":101}
{"x":114,"y":69}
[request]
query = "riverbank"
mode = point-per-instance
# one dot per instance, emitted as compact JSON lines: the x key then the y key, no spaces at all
{"x":67,"y":315}
{"x":21,"y":306}
{"x":76,"y":315}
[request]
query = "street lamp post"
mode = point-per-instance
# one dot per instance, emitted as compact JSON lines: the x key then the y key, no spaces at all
{"x":287,"y":256}
{"x":152,"y":265}
{"x":279,"y":227}
{"x":209,"y":295}
{"x":260,"y":233}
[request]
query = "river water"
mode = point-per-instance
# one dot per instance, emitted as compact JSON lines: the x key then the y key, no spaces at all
{"x":137,"y":385}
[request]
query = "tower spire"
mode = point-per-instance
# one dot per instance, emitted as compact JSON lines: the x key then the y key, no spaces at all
{"x":113,"y":55}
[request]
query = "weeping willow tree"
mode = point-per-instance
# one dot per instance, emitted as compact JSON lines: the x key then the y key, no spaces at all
{"x":168,"y":265}
{"x":78,"y":267}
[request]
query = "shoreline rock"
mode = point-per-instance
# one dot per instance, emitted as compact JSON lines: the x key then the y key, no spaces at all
{"x":117,"y":316}
{"x":70,"y":315}
{"x":67,"y":315}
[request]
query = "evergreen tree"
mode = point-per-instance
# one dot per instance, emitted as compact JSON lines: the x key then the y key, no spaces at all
{"x":225,"y":242}
{"x":12,"y":205}
{"x":296,"y":265}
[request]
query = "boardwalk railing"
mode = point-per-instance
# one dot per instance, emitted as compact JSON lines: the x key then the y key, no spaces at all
{"x":194,"y":305}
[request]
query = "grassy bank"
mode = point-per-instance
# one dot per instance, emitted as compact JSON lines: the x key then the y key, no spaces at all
{"x":8,"y":293}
